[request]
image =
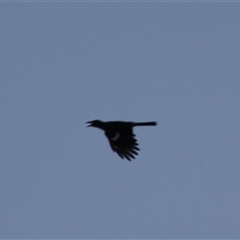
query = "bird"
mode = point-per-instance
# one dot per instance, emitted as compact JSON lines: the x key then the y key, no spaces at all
{"x":120,"y":136}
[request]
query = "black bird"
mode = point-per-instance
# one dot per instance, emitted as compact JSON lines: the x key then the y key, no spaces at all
{"x":120,"y":136}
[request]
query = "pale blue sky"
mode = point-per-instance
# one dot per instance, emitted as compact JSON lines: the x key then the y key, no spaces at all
{"x":63,"y":64}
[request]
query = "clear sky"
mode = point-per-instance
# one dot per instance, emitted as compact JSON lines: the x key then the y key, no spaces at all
{"x":63,"y":64}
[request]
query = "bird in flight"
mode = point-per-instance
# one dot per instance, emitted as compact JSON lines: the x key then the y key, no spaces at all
{"x":120,"y":136}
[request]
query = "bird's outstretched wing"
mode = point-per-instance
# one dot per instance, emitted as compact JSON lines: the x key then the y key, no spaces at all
{"x":124,"y":144}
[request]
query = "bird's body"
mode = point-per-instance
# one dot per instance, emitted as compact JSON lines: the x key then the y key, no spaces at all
{"x":120,"y":136}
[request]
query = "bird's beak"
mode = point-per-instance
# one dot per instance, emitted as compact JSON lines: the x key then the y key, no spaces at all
{"x":90,"y":123}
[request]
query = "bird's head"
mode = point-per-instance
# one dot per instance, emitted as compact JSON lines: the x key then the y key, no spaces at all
{"x":95,"y":123}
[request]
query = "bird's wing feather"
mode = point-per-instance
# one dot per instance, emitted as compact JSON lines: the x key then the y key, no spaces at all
{"x":124,"y":144}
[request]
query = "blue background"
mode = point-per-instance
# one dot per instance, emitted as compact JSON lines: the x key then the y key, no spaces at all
{"x":63,"y":64}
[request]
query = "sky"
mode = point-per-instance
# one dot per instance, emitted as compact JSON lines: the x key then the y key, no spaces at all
{"x":63,"y":64}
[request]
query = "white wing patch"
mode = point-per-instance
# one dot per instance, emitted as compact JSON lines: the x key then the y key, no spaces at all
{"x":117,"y":135}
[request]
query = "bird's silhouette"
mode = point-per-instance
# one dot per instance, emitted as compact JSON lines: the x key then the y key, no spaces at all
{"x":120,"y":136}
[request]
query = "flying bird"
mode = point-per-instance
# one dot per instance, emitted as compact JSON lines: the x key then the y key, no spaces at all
{"x":120,"y":136}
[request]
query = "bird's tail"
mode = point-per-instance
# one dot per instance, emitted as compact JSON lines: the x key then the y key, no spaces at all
{"x":145,"y":124}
